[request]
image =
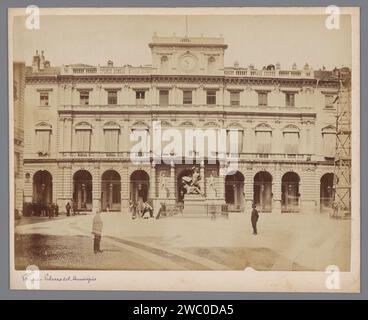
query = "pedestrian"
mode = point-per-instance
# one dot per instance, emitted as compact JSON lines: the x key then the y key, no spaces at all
{"x":162,"y":210}
{"x":147,"y":209}
{"x":97,"y":231}
{"x":132,"y":209}
{"x":67,"y":207}
{"x":254,"y":218}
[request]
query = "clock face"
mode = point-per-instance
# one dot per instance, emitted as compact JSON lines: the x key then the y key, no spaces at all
{"x":188,"y":62}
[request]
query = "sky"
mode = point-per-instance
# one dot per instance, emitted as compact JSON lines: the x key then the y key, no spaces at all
{"x":251,"y":39}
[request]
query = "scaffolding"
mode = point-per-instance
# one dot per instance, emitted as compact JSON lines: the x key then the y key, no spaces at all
{"x":342,"y":165}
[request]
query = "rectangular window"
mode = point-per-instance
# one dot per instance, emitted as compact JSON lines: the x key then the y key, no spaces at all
{"x":235,"y":98}
{"x":291,"y":142}
{"x":262,"y":99}
{"x":187,"y":97}
{"x":140,"y":97}
{"x":164,"y":97}
{"x":84,"y":98}
{"x":112,"y":97}
{"x":290,"y":99}
{"x":42,"y":142}
{"x":111,"y":140}
{"x":83,"y":140}
{"x":211,"y":97}
{"x":263,"y":141}
{"x":44,"y":98}
{"x":329,"y":100}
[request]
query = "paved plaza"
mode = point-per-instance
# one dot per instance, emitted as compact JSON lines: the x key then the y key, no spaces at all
{"x":285,"y":242}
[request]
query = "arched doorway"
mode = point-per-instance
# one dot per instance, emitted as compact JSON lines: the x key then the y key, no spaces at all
{"x":290,"y":192}
{"x":234,"y":191}
{"x":110,"y":191}
{"x":326,"y":191}
{"x":82,"y":190}
{"x":139,"y":186}
{"x":42,"y":187}
{"x":262,"y":191}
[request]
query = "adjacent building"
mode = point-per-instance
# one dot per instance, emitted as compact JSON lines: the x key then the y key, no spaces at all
{"x":18,"y":117}
{"x":79,"y":119}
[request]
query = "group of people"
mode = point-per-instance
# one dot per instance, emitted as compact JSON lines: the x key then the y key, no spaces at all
{"x":144,"y":210}
{"x":72,"y":209}
{"x":41,"y":210}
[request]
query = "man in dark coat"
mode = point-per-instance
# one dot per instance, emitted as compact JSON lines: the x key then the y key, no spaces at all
{"x":68,"y":207}
{"x":254,"y":218}
{"x":97,"y":225}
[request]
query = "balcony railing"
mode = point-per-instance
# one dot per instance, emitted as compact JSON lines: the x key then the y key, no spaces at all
{"x":124,"y":70}
{"x":146,"y":70}
{"x":148,"y":155}
{"x":242,"y":72}
{"x":185,"y":108}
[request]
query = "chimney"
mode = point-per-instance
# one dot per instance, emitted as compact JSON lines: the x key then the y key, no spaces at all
{"x":42,"y":61}
{"x":36,"y":62}
{"x":110,"y":63}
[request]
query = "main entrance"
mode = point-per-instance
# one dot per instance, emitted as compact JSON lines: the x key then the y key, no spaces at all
{"x":290,"y":192}
{"x":110,"y":191}
{"x":326,"y":191}
{"x":139,"y":186}
{"x":234,"y":191}
{"x":82,"y":190}
{"x":262,"y":191}
{"x":42,"y":187}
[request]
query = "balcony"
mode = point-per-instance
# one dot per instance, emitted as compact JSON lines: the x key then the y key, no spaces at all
{"x":245,"y":72}
{"x":180,"y":108}
{"x":148,"y":155}
{"x":91,"y":70}
{"x":81,"y":70}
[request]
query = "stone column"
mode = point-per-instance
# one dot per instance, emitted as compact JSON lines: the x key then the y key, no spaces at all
{"x":152,"y":190}
{"x":96,"y":188}
{"x":125,"y":190}
{"x":221,"y":181}
{"x":171,"y":184}
{"x":248,"y":189}
{"x":276,"y":190}
{"x":201,"y":172}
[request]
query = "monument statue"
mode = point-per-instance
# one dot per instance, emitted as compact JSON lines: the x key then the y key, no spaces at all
{"x":163,"y":186}
{"x":191,"y":183}
{"x":212,"y":183}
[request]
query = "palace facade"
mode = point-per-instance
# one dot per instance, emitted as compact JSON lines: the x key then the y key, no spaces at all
{"x":79,"y":118}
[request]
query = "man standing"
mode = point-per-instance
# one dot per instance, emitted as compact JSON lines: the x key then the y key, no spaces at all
{"x":68,"y":207}
{"x":254,"y":218}
{"x":97,"y":231}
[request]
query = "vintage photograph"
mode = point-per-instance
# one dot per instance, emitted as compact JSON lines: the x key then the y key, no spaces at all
{"x":183,"y":140}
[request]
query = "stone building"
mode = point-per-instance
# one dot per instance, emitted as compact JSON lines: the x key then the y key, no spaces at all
{"x":18,"y":117}
{"x":79,"y":119}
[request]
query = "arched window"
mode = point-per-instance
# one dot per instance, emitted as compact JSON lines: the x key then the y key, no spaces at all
{"x":211,"y":64}
{"x":164,"y":63}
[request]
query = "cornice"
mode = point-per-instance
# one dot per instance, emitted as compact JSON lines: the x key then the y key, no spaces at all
{"x":153,"y":78}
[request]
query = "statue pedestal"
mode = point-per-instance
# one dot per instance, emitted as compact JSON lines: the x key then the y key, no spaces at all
{"x":194,"y":204}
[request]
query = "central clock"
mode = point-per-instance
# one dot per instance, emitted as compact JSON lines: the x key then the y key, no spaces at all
{"x":188,"y":62}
